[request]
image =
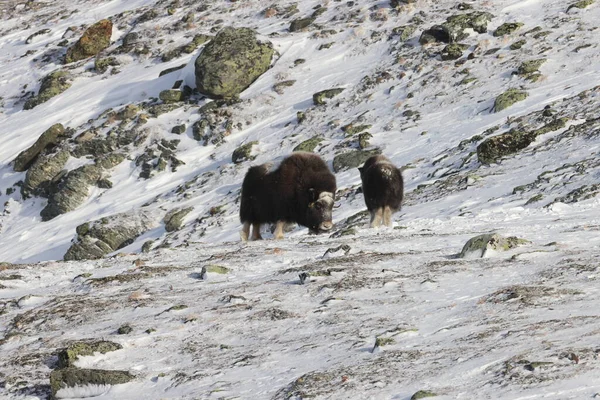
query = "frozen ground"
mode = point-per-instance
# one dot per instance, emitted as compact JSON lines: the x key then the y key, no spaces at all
{"x":516,"y":325}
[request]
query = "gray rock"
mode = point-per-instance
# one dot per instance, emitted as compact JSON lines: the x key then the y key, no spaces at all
{"x":479,"y":246}
{"x":68,"y":355}
{"x":231,"y":62}
{"x":72,"y":377}
{"x":43,"y":173}
{"x":319,"y":97}
{"x":51,"y":137}
{"x":52,"y":85}
{"x":243,"y":153}
{"x":174,"y":218}
{"x":97,"y":238}
{"x":353,"y":159}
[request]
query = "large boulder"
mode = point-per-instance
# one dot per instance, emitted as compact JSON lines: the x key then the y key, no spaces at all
{"x":353,"y":159}
{"x":43,"y":173}
{"x":51,"y":137}
{"x":97,"y":238}
{"x":488,"y":244}
{"x":52,"y":85}
{"x":88,"y":380}
{"x":231,"y":62}
{"x":95,"y":39}
{"x":68,"y":355}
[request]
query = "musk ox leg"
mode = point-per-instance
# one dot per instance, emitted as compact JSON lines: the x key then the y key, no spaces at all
{"x":256,"y":232}
{"x":279,"y":230}
{"x":245,"y":232}
{"x":376,"y":216}
{"x":387,"y":216}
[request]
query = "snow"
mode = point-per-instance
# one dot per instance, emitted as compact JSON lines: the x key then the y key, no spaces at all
{"x":463,"y":328}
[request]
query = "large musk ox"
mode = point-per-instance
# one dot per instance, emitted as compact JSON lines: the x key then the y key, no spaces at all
{"x":383,"y":189}
{"x":300,"y":190}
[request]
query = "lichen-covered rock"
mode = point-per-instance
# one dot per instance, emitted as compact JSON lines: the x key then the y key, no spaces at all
{"x":243,"y":153}
{"x":453,"y":51}
{"x":52,"y":85}
{"x":43,"y":172}
{"x":453,"y":30}
{"x":51,"y":137}
{"x":496,"y":147}
{"x":71,"y":191}
{"x":231,"y":62}
{"x":404,"y":32}
{"x":95,"y":39}
{"x":301,"y":23}
{"x":68,"y":355}
{"x":309,"y":145}
{"x":319,"y":97}
{"x":581,"y":4}
{"x":353,"y":159}
{"x":422,"y":394}
{"x":73,"y":377}
{"x":171,"y":96}
{"x":507,"y":28}
{"x":174,"y":219}
{"x":484,"y":245}
{"x":508,"y":98}
{"x":97,"y":238}
{"x":530,"y":67}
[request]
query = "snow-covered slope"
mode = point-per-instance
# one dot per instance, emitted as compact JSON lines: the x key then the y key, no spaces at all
{"x":465,"y":329}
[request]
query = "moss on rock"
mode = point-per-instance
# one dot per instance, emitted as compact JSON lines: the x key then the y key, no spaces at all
{"x":479,"y":246}
{"x":52,"y":85}
{"x":72,"y":377}
{"x":309,"y":144}
{"x":352,"y":159}
{"x":507,"y":28}
{"x":52,"y":136}
{"x":319,"y":98}
{"x":508,"y":98}
{"x":244,"y":153}
{"x":67,"y":356}
{"x":174,"y":219}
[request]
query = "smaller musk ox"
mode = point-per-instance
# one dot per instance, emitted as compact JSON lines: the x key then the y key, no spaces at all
{"x":300,"y":190}
{"x":383,"y":189}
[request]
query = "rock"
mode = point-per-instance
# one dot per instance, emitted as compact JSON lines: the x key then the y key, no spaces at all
{"x":363,"y":140}
{"x":518,"y":44}
{"x":319,"y":97}
{"x":43,"y":173}
{"x":352,"y":129}
{"x":51,"y":137}
{"x":124,"y":330}
{"x":67,"y":356}
{"x":231,"y":62}
{"x":353,"y":159}
{"x":453,"y":51}
{"x":174,"y":219}
{"x":73,"y":377}
{"x":95,"y":39}
{"x":480,"y":246}
{"x":581,"y":4}
{"x":530,"y":67}
{"x":496,"y":147}
{"x":309,"y":145}
{"x":71,"y":191}
{"x":128,"y":112}
{"x":507,"y":28}
{"x":280,"y":86}
{"x":421,"y":394}
{"x":171,"y":96}
{"x":216,"y":269}
{"x":38,"y":33}
{"x":169,"y":70}
{"x":147,"y":246}
{"x":52,"y":85}
{"x":404,"y":32}
{"x":97,"y":238}
{"x":453,"y":30}
{"x":243,"y":153}
{"x":179,"y":129}
{"x":101,"y":64}
{"x":508,"y":98}
{"x":301,"y":23}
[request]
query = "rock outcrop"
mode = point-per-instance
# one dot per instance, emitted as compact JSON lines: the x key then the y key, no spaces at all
{"x":95,"y":39}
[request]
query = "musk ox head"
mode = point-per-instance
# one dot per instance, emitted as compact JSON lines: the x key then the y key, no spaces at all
{"x":318,"y":213}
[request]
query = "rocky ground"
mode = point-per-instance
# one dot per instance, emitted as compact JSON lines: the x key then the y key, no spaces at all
{"x":125,"y":141}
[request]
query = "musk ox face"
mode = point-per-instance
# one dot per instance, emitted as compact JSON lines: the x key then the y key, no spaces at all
{"x":319,"y":211}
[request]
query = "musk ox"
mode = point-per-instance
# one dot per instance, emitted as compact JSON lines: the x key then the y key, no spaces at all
{"x":383,"y":189}
{"x":301,"y":190}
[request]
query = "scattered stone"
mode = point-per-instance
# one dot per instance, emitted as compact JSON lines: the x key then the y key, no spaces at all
{"x":72,"y":377}
{"x":453,"y":30}
{"x":231,"y":62}
{"x":280,"y":86}
{"x":421,"y":394}
{"x":171,"y":96}
{"x":101,"y":64}
{"x":404,"y":32}
{"x":124,"y":329}
{"x":51,"y":137}
{"x":244,"y":153}
{"x":351,"y":129}
{"x":309,"y":145}
{"x":97,"y":238}
{"x":174,"y":219}
{"x":508,"y":98}
{"x":29,"y":40}
{"x":52,"y":85}
{"x":68,"y":356}
{"x":147,"y":246}
{"x":480,"y":246}
{"x":95,"y":39}
{"x":300,"y":24}
{"x":304,"y":278}
{"x":352,"y":159}
{"x":216,"y":269}
{"x":530,"y":67}
{"x":319,"y":97}
{"x":179,"y":129}
{"x":507,"y":28}
{"x":581,"y":4}
{"x":518,"y":44}
{"x":453,"y":51}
